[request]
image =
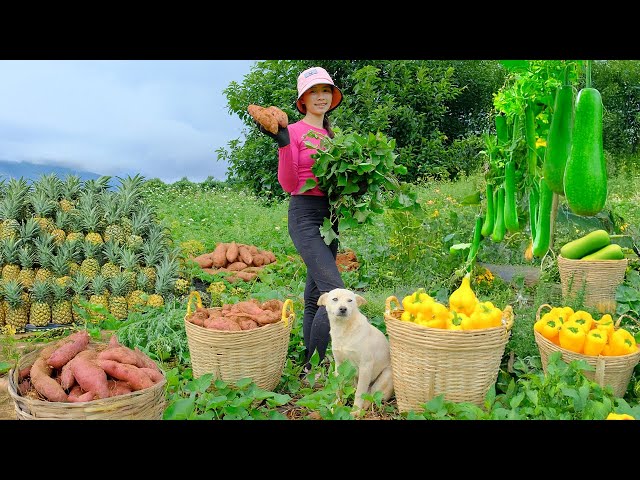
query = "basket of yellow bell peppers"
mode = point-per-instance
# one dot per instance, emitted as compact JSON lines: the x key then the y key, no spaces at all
{"x":453,"y":349}
{"x":602,"y":343}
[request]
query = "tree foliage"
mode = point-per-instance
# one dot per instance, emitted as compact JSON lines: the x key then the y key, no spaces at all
{"x":426,"y":106}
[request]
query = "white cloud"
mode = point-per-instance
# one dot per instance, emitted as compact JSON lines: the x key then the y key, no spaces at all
{"x":160,"y":118}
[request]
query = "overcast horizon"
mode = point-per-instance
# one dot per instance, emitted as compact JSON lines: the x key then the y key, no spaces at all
{"x":157,"y":118}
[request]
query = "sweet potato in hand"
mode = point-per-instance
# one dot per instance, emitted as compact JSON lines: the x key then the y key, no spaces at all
{"x":264,"y":117}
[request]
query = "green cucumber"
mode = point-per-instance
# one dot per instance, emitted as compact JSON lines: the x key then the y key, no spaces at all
{"x":502,"y":130}
{"x":610,"y":252}
{"x":487,"y":226}
{"x":499,"y":228}
{"x":559,"y":139}
{"x":589,"y":243}
{"x":542,"y":239}
{"x":510,"y":198}
{"x":585,"y":175}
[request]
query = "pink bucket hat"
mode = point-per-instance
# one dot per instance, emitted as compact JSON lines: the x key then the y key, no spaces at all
{"x":314,"y":76}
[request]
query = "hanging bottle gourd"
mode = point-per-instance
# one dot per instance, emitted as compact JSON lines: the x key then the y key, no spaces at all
{"x":585,"y":176}
{"x":559,"y":137}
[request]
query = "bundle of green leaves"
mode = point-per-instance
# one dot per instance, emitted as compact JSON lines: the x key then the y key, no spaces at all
{"x":359,"y":175}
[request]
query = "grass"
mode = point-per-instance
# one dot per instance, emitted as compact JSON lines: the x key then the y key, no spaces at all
{"x":398,"y":254}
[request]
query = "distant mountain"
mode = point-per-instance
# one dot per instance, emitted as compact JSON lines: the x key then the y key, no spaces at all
{"x":31,"y":171}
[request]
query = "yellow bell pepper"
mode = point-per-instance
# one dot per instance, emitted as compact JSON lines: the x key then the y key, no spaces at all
{"x":486,"y":315}
{"x":606,"y":351}
{"x":572,"y":337}
{"x":406,"y":317}
{"x":605,"y":323}
{"x":595,"y":342}
{"x":457,"y":320}
{"x":435,"y":316}
{"x":582,"y":318}
{"x":410,"y":302}
{"x":549,"y":328}
{"x":560,"y":313}
{"x":463,"y":300}
{"x":622,"y":342}
{"x":619,"y":416}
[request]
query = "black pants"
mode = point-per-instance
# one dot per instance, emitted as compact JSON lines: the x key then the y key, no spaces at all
{"x":306,"y":215}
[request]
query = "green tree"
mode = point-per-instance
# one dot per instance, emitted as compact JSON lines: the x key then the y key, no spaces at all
{"x":406,"y":100}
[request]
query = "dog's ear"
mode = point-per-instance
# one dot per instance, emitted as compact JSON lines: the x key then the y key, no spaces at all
{"x":322,"y":299}
{"x":360,"y":300}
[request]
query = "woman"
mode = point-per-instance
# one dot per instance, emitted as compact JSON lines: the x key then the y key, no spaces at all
{"x":317,"y":96}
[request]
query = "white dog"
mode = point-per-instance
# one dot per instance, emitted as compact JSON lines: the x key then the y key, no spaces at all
{"x":353,"y":338}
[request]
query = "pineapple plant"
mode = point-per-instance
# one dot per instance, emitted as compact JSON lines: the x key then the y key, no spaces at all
{"x":119,"y":286}
{"x":13,"y":207}
{"x":61,"y":310}
{"x":129,"y":264}
{"x":29,"y":230}
{"x":11,"y":268}
{"x":80,"y":287}
{"x":111,"y":207}
{"x":96,"y":185}
{"x":90,"y":216}
{"x":40,"y":308}
{"x":43,"y":208}
{"x":72,"y":251}
{"x":44,"y":253}
{"x":129,"y":197}
{"x":90,"y":266}
{"x":74,"y":227}
{"x":60,"y":267}
{"x":140,"y":221}
{"x":16,"y":309}
{"x":136,"y":300}
{"x":27,"y":274}
{"x":70,"y":189}
{"x":61,"y":224}
{"x":99,"y":296}
{"x":152,"y":251}
{"x":111,"y":253}
{"x":166,"y":276}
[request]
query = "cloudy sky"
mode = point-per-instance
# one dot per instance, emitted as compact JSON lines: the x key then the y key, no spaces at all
{"x":157,"y":118}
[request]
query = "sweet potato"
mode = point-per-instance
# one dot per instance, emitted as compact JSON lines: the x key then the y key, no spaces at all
{"x":252,"y":249}
{"x":78,"y":395}
{"x":89,"y":374}
{"x":118,"y":387}
{"x":144,"y":360}
{"x":236,"y":266}
{"x":70,"y":346}
{"x":222,"y":324}
{"x":245,"y":255}
{"x":280,"y":116}
{"x":247,"y":324}
{"x":270,"y":255}
{"x":204,"y":261}
{"x":219,"y":255}
{"x":258,"y":259}
{"x":136,"y":378}
{"x":155,"y":375}
{"x":232,"y":252}
{"x":24,"y":373}
{"x":246,"y":276}
{"x":264,"y":117}
{"x":67,"y":380}
{"x":44,"y":384}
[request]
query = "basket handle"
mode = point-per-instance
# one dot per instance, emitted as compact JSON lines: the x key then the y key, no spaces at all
{"x":194,"y":294}
{"x":287,"y":303}
{"x":625,"y":315}
{"x":540,"y":310}
{"x":390,"y":299}
{"x":507,"y":318}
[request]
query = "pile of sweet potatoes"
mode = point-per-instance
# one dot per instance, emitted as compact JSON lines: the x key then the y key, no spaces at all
{"x":76,"y":370}
{"x":245,"y":315}
{"x":237,"y":260}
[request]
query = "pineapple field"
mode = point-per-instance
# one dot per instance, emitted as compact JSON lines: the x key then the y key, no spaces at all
{"x":64,"y":242}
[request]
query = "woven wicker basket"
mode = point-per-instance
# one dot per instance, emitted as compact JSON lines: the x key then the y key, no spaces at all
{"x":259,"y":354}
{"x":615,"y":371}
{"x":147,"y":404}
{"x":599,"y":279}
{"x":427,"y":362}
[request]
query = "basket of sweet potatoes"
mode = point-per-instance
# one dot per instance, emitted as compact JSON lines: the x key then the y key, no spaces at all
{"x":77,"y":378}
{"x":248,"y":339}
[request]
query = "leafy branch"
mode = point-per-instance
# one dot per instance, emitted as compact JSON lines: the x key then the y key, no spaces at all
{"x":359,"y":175}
